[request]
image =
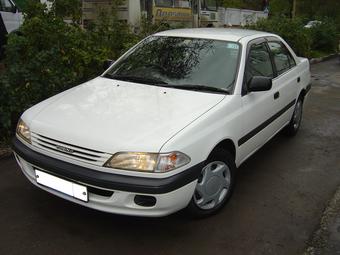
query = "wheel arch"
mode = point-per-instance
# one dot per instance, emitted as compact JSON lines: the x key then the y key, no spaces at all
{"x":302,"y":94}
{"x":226,"y":144}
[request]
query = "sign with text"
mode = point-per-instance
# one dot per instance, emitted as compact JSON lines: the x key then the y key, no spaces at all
{"x":172,"y":14}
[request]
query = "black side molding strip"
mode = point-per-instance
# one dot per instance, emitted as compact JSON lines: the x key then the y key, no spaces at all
{"x":265,"y":124}
{"x":106,"y":180}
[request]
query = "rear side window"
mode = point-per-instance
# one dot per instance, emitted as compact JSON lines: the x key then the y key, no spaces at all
{"x":283,"y":60}
{"x":259,"y":62}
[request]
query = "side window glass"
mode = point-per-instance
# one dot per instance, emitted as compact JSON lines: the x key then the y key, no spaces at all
{"x":282,"y":59}
{"x":259,"y":62}
{"x":291,"y":59}
{"x":6,"y":6}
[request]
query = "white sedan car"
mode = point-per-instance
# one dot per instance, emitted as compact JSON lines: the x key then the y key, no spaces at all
{"x":167,"y":125}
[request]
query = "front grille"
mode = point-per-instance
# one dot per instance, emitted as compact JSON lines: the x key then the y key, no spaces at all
{"x":69,"y":150}
{"x":212,"y":16}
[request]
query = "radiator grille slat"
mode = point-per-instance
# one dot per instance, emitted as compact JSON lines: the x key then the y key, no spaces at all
{"x":69,"y":150}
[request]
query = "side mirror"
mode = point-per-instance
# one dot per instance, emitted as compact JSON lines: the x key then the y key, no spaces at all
{"x":260,"y":83}
{"x":107,"y":63}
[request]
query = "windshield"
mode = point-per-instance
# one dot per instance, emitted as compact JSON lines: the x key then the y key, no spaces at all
{"x":164,"y":3}
{"x":210,"y":5}
{"x":160,"y":60}
{"x":172,"y":3}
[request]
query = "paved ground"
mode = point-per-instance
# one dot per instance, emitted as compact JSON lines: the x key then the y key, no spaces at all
{"x":326,"y":239}
{"x":280,"y":196}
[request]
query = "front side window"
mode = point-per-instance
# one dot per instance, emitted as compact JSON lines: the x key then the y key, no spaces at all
{"x":210,"y":5}
{"x":282,"y":59}
{"x":182,"y":3}
{"x":259,"y":62}
{"x":180,"y":61}
{"x":173,"y":3}
{"x":164,"y":3}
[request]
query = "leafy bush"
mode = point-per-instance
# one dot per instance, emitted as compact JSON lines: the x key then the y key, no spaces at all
{"x":147,"y":27}
{"x":48,"y":56}
{"x":324,"y":36}
{"x":292,"y":30}
{"x":280,"y":8}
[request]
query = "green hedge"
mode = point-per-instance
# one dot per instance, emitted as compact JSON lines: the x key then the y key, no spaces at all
{"x":292,"y":30}
{"x":325,"y":36}
{"x":322,"y":38}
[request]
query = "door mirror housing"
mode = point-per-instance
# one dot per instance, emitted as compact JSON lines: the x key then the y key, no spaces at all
{"x":259,"y":83}
{"x":107,"y":63}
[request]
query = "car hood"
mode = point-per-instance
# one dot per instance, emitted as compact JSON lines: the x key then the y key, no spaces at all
{"x":110,"y":116}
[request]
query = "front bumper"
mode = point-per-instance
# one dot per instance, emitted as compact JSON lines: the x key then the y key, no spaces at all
{"x":112,"y":192}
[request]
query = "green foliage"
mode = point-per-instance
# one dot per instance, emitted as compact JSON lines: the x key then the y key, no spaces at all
{"x":280,"y":7}
{"x":292,"y":30}
{"x":68,"y":9}
{"x":5,"y":108}
{"x":147,"y":27}
{"x":34,"y":9}
{"x":47,"y":56}
{"x":111,"y":34}
{"x":233,"y":3}
{"x":20,"y":3}
{"x":324,"y":36}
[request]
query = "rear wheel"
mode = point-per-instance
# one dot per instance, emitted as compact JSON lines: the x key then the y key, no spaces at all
{"x":214,"y":186}
{"x":294,"y":125}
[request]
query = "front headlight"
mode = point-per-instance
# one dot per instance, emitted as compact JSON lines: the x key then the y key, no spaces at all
{"x":23,"y":131}
{"x":148,"y":162}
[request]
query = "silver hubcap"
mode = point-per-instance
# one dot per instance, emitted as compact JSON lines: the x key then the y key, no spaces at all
{"x":213,"y":185}
{"x":297,"y":115}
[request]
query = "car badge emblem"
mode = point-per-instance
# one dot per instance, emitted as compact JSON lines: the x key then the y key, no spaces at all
{"x":64,"y":149}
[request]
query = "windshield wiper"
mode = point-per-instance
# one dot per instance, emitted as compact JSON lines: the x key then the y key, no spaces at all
{"x":131,"y":78}
{"x":203,"y":88}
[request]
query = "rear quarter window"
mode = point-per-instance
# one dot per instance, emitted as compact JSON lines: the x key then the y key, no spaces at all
{"x":283,"y":60}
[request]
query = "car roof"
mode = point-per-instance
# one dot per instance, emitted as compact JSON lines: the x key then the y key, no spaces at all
{"x":227,"y":34}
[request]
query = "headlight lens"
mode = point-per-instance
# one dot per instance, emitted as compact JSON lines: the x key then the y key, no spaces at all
{"x":148,"y":162}
{"x":23,"y":131}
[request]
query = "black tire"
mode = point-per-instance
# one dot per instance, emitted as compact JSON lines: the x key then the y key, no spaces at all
{"x":294,"y":125}
{"x":217,"y":155}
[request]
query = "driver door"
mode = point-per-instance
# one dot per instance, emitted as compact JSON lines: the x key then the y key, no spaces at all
{"x":257,"y":106}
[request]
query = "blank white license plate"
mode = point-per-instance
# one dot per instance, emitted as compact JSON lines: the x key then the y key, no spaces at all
{"x":69,"y":188}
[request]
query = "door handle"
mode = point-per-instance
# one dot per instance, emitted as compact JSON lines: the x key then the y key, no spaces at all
{"x":276,"y":95}
{"x":298,"y":79}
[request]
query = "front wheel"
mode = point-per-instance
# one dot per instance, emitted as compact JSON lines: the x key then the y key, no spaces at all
{"x":294,"y":125}
{"x":214,"y":186}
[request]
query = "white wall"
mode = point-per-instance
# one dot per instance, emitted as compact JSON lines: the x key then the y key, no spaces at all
{"x":239,"y":17}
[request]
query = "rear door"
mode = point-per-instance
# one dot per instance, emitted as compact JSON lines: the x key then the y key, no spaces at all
{"x":285,"y":84}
